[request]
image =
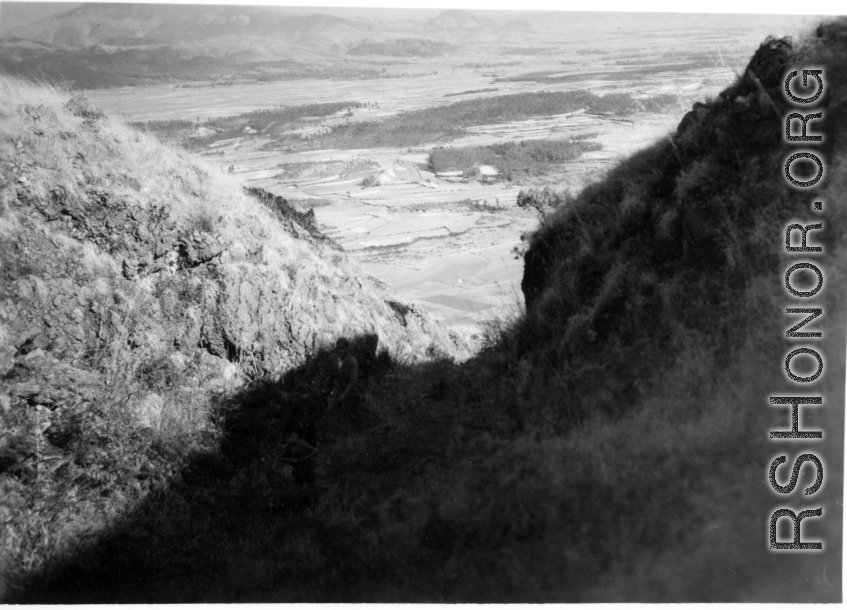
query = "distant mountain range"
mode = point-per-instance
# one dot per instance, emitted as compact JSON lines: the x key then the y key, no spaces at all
{"x":97,"y":23}
{"x":92,"y":24}
{"x":100,"y":45}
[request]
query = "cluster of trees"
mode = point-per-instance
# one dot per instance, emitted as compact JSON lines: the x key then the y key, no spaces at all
{"x":554,"y":76}
{"x":613,"y":103}
{"x":445,"y":123}
{"x":333,"y":72}
{"x":311,"y":169}
{"x":216,"y":83}
{"x":515,"y":107}
{"x":541,"y":103}
{"x":386,"y":74}
{"x":651,"y":70}
{"x":526,"y":51}
{"x":478,"y":65}
{"x":489,"y":89}
{"x":369,"y":180}
{"x":512,"y":159}
{"x":284,"y":115}
{"x":278,"y":118}
{"x":400,"y":131}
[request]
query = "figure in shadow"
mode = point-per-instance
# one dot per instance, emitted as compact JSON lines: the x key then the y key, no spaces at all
{"x":327,"y":395}
{"x":344,"y":373}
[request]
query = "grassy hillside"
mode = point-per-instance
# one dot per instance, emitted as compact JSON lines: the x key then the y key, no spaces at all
{"x":140,"y":288}
{"x":609,"y":445}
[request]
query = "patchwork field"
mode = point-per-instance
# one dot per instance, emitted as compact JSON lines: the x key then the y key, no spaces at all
{"x":447,"y":240}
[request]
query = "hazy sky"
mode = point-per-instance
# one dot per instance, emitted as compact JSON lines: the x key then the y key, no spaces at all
{"x":16,"y":14}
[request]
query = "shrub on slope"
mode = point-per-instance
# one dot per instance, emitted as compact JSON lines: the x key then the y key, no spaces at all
{"x":138,"y":287}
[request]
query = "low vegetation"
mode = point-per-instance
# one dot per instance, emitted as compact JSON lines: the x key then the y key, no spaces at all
{"x":512,"y":160}
{"x":261,"y":120}
{"x":501,"y":64}
{"x":556,"y":76}
{"x":369,"y":180}
{"x":526,"y":51}
{"x":312,"y":170}
{"x":618,"y":104}
{"x":269,"y":121}
{"x":445,"y":123}
{"x":308,"y":203}
{"x":469,"y":91}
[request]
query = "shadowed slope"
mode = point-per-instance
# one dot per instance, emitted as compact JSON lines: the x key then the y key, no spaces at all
{"x":140,"y":287}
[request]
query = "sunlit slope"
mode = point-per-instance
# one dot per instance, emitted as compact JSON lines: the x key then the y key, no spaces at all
{"x":138,"y":285}
{"x":158,"y":214}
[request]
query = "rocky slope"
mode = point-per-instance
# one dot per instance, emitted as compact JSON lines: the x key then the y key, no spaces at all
{"x":673,"y":239}
{"x":137,"y":286}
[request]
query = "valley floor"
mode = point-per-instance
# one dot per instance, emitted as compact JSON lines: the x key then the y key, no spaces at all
{"x":443,"y":241}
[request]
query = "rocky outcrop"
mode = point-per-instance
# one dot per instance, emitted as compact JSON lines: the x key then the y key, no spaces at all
{"x":294,"y":220}
{"x":137,"y":288}
{"x":162,"y":275}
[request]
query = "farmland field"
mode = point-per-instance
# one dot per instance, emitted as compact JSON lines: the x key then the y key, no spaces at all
{"x":445,"y":240}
